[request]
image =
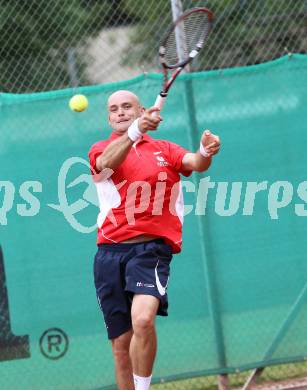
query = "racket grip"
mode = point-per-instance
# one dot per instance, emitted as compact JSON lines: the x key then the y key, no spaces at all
{"x":159,"y":103}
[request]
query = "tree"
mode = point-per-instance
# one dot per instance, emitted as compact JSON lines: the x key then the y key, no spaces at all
{"x":35,"y":37}
{"x":244,"y":32}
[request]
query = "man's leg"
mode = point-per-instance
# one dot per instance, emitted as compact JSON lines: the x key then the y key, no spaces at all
{"x":143,"y":344}
{"x":123,"y":366}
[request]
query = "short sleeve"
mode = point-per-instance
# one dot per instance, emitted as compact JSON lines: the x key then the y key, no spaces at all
{"x":175,"y":156}
{"x":94,"y":152}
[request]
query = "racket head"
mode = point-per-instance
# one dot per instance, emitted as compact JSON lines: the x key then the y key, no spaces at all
{"x":185,"y":38}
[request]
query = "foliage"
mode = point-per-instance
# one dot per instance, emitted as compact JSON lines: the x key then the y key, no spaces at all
{"x":36,"y":35}
{"x":245,"y":31}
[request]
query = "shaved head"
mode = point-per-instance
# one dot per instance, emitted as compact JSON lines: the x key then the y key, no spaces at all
{"x":123,"y":94}
{"x":123,"y":107}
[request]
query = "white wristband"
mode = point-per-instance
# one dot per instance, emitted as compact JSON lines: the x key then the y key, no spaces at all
{"x":134,"y":132}
{"x":203,"y":151}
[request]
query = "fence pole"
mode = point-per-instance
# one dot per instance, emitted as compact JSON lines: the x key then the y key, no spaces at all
{"x":213,"y":298}
{"x":177,"y":10}
{"x":180,"y":36}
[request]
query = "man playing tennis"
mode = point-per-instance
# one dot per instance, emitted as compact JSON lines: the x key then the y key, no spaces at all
{"x":139,"y":228}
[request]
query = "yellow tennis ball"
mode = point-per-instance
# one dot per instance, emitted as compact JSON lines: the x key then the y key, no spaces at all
{"x":78,"y":103}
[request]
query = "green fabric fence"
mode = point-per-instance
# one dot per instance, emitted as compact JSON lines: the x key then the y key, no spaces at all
{"x":238,"y":290}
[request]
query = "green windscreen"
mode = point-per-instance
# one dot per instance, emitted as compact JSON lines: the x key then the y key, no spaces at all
{"x":238,"y":290}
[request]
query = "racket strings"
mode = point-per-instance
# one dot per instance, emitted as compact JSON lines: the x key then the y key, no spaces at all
{"x":186,"y":35}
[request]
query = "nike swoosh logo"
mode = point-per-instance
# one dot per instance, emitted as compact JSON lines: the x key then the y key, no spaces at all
{"x":155,"y":153}
{"x":161,"y":289}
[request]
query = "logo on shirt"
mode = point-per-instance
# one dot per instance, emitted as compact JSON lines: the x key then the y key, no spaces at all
{"x":161,"y":161}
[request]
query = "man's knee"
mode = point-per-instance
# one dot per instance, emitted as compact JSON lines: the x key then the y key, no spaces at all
{"x":143,"y":314}
{"x":143,"y":323}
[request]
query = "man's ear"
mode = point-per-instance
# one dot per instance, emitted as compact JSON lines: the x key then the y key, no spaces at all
{"x":143,"y":109}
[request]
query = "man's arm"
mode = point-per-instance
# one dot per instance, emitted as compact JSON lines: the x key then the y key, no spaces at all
{"x":117,"y":150}
{"x":195,"y":162}
{"x":201,"y":160}
{"x":115,"y":153}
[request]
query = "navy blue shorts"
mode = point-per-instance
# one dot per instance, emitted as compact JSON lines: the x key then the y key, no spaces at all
{"x":122,"y":270}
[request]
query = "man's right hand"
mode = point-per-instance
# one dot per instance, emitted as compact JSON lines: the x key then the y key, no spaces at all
{"x":149,"y":120}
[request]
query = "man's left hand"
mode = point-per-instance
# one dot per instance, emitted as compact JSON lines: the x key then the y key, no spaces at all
{"x":210,"y":142}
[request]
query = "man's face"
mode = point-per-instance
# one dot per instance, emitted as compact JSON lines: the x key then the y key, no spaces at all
{"x":124,"y":107}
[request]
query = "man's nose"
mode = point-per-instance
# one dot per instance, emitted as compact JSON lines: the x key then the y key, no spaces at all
{"x":120,"y":112}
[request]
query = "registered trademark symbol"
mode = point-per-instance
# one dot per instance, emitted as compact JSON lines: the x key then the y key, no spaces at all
{"x":53,"y":343}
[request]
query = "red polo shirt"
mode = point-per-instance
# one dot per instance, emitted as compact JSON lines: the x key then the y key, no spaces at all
{"x":143,"y":195}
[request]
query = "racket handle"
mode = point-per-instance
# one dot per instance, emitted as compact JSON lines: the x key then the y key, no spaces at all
{"x":160,"y":101}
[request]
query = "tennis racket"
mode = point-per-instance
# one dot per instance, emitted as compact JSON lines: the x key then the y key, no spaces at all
{"x":181,"y":44}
